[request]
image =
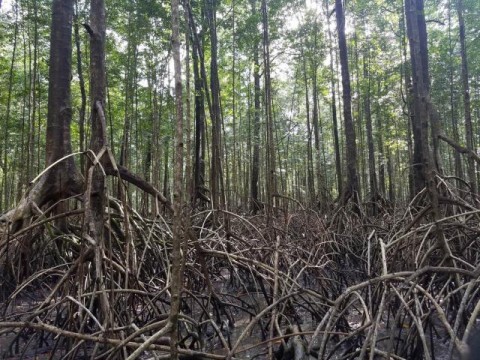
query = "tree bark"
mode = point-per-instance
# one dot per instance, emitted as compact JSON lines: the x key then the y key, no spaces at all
{"x":189,"y":184}
{"x":95,"y":195}
{"x":371,"y":150}
{"x":176,"y":256}
{"x":198,"y":198}
{"x":336,"y":141}
{"x":97,"y":98}
{"x":453,"y":107}
{"x":270,"y":145}
{"x":255,"y":172}
{"x":408,"y":106}
{"x":310,"y":178}
{"x":33,"y":90}
{"x":63,"y":177}
{"x":218,"y":200}
{"x":83,"y":94}
{"x":321,"y":187}
{"x":423,"y":108}
{"x":6,"y":197}
{"x":352,"y":188}
{"x":472,"y":178}
{"x":418,"y":172}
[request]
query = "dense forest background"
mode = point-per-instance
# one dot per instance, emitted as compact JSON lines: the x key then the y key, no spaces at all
{"x":308,"y":168}
{"x":305,"y":88}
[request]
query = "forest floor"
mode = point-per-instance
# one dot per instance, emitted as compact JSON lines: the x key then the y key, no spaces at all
{"x":341,"y":286}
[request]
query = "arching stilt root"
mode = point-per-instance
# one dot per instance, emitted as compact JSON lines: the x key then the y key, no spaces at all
{"x":370,"y":287}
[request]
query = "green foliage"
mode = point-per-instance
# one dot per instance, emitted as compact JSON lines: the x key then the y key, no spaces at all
{"x":140,"y":87}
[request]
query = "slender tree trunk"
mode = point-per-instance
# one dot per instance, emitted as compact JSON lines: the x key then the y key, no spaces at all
{"x":147,"y":170}
{"x":97,"y":98}
{"x":166,"y":167}
{"x":391,"y":178}
{"x":255,"y":172}
{"x":270,"y":175}
{"x":6,"y":200}
{"x":408,"y":101}
{"x":255,"y":175}
{"x":189,"y":184}
{"x":176,"y":257}
{"x":453,"y":99}
{"x":131,"y":69}
{"x":371,"y":151}
{"x":380,"y":145}
{"x":466,"y":99}
{"x":336,"y":140}
{"x":26,"y":109}
{"x":218,"y":200}
{"x":33,"y":94}
{"x":156,"y":146}
{"x":357,"y":109}
{"x":321,"y":186}
{"x":352,"y":187}
{"x":198,"y":196}
{"x":310,"y":179}
{"x":235,"y":180}
{"x":95,"y":198}
{"x":83,"y":93}
{"x":270,"y":145}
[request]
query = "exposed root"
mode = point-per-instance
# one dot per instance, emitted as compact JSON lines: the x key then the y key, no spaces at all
{"x":345,"y":286}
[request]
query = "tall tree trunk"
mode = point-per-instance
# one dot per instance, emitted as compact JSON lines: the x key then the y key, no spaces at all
{"x":130,"y":77}
{"x":235,"y":180}
{"x":61,"y":179}
{"x":255,"y":172}
{"x":408,"y":102}
{"x":472,"y":178}
{"x":380,"y":145}
{"x":156,"y":146}
{"x":420,"y":91}
{"x":83,"y":104}
{"x":453,"y":99}
{"x":188,"y":120}
{"x":198,"y":196}
{"x":391,"y":178}
{"x":97,"y":98}
{"x":418,"y":145}
{"x":166,"y":167}
{"x":58,"y":143}
{"x":176,"y":256}
{"x":95,"y":198}
{"x":336,"y":140}
{"x":321,"y":186}
{"x":6,"y":199}
{"x":26,"y":109}
{"x":216,"y":176}
{"x":422,"y":107}
{"x":371,"y":151}
{"x":270,"y":145}
{"x":310,"y":179}
{"x":33,"y":90}
{"x":352,"y":187}
{"x":147,"y":169}
{"x":357,"y":109}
